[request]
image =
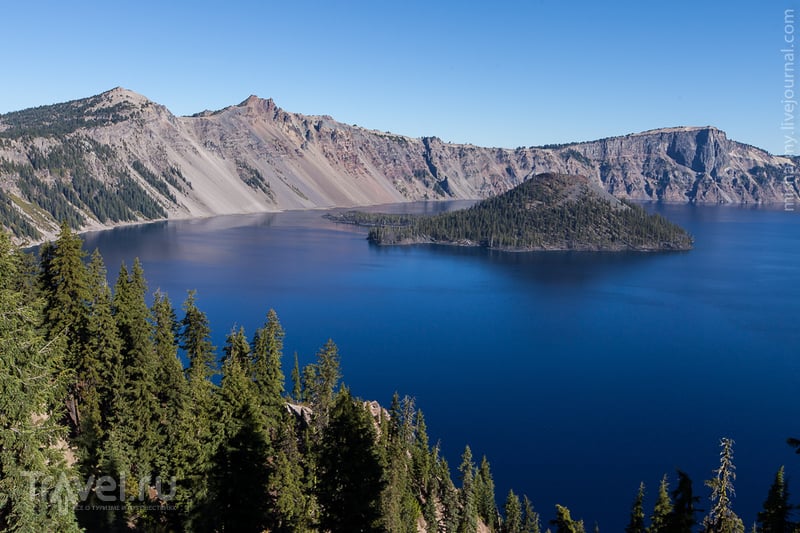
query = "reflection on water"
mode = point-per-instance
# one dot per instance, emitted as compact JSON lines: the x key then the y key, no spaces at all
{"x":578,"y":374}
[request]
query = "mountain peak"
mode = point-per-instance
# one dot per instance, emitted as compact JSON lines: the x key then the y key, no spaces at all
{"x":253,"y":100}
{"x":121,"y":94}
{"x":679,"y":129}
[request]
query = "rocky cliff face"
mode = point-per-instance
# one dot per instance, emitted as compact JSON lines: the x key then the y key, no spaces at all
{"x":119,"y":157}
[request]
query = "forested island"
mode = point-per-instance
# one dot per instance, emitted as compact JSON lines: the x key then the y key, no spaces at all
{"x":547,"y":212}
{"x":119,"y":416}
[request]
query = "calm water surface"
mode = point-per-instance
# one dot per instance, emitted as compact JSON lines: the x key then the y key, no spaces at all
{"x":578,"y":374}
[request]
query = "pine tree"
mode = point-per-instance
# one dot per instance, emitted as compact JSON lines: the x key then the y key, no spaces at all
{"x":350,"y":472}
{"x":136,"y":436}
{"x":484,"y":495}
{"x":170,"y":377}
{"x":399,"y":507}
{"x":195,"y":335}
{"x":564,"y":522}
{"x":662,"y":509}
{"x":776,"y":516}
{"x":172,"y":393}
{"x":102,"y":369}
{"x":420,"y":454}
{"x":321,"y":380}
{"x":682,"y":517}
{"x":513,"y":511}
{"x":35,"y":482}
{"x":239,"y":473}
{"x":530,"y":521}
{"x":199,"y":421}
{"x":102,"y":383}
{"x":64,"y":285}
{"x":293,"y":508}
{"x":267,"y":373}
{"x":448,"y":493}
{"x":297,"y":384}
{"x":636,"y":522}
{"x":721,"y":518}
{"x":429,"y":483}
{"x":468,"y":522}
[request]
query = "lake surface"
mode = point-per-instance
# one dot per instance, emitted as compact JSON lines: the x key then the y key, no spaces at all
{"x":578,"y":374}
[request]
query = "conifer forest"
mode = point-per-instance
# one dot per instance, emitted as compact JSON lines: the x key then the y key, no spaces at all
{"x":118,"y":414}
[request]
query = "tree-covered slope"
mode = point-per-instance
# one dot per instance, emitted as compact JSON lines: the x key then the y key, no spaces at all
{"x":103,"y":429}
{"x":547,"y":212}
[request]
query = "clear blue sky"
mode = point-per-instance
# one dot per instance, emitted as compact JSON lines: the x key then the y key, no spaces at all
{"x":494,"y":73}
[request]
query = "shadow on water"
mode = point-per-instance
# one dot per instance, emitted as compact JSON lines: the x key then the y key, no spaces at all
{"x":549,"y":268}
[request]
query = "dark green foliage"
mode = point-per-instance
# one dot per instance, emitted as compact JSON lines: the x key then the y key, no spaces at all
{"x":60,"y":179}
{"x":102,"y":348}
{"x":136,"y":201}
{"x":293,"y":504}
{"x":321,"y":381}
{"x":297,"y":384}
{"x":70,"y":161}
{"x":400,"y":503}
{"x":101,"y":386}
{"x":243,"y":459}
{"x":350,"y":473}
{"x":174,"y":177}
{"x":49,"y":198}
{"x":171,"y":383}
{"x":662,"y":509}
{"x":571,"y":153}
{"x":564,"y":523}
{"x":636,"y":522}
{"x":12,"y":219}
{"x":239,"y":474}
{"x":137,"y":434}
{"x":447,"y":493}
{"x":195,"y":340}
{"x":266,"y":365}
{"x":549,"y":211}
{"x":154,"y":181}
{"x":530,"y":522}
{"x":513,"y":511}
{"x":64,"y":118}
{"x":64,"y":283}
{"x":32,"y":384}
{"x":682,"y":518}
{"x":199,"y":421}
{"x":484,"y":495}
{"x":359,"y":218}
{"x":63,"y":279}
{"x":468,"y":522}
{"x":777,"y":512}
{"x":254,"y":179}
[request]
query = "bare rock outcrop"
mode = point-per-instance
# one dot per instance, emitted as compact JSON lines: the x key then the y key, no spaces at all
{"x":118,"y":157}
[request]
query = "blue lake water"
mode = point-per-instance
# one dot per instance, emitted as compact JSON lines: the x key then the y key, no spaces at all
{"x":578,"y":374}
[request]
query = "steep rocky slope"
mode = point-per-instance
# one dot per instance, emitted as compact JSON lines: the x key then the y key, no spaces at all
{"x":118,"y":157}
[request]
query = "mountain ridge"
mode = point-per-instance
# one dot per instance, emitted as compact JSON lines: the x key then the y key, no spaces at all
{"x":66,"y":161}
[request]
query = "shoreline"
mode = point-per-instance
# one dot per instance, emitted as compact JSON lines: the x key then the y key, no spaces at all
{"x":544,"y":248}
{"x":27,"y":245}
